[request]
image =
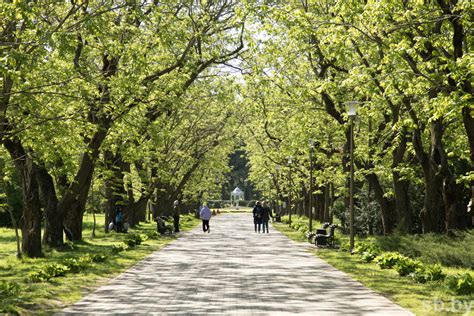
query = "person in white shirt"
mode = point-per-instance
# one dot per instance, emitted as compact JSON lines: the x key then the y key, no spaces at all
{"x":205,"y":215}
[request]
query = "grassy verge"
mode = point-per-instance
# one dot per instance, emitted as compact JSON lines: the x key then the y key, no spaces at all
{"x":431,"y":298}
{"x":48,"y":297}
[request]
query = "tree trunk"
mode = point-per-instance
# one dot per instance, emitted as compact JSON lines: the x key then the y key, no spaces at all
{"x":31,"y":217}
{"x":327,"y":218}
{"x":53,"y":230}
{"x":386,"y":205}
{"x":73,"y":201}
{"x":74,"y":217}
{"x":401,"y":187}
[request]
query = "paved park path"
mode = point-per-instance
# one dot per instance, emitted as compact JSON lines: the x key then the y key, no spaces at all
{"x":234,"y":271}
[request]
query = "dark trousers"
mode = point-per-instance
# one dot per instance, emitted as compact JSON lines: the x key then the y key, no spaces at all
{"x":119,"y":227}
{"x":265,"y":224}
{"x":205,"y":225}
{"x":257,"y":223}
{"x":176,"y":223}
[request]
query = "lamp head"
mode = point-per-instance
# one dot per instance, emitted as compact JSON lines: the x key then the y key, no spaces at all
{"x":290,"y":160}
{"x":352,"y":108}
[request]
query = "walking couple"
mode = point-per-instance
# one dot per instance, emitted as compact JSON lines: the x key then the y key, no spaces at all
{"x":261,"y":216}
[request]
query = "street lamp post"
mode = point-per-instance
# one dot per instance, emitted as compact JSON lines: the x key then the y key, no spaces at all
{"x":277,"y":172}
{"x":352,"y":114}
{"x":290,"y":161}
{"x":311,"y":152}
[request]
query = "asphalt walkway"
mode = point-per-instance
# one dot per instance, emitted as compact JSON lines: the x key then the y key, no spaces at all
{"x":234,"y":271}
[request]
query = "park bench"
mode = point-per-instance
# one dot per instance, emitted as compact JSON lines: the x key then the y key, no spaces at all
{"x":322,"y":239}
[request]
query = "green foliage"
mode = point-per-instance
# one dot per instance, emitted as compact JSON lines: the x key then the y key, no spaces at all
{"x":97,"y":258}
{"x":153,"y":235}
{"x":56,"y":270}
{"x":116,"y":248}
{"x":77,"y":265}
{"x":461,"y":283}
{"x":38,"y":276}
{"x":367,"y":256}
{"x":133,"y":239}
{"x":406,"y":265}
{"x":9,"y":289}
{"x":428,"y":273}
{"x":388,"y":260}
{"x":455,"y":251}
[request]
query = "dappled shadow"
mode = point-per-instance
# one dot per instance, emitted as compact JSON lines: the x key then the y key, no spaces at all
{"x":234,"y":270}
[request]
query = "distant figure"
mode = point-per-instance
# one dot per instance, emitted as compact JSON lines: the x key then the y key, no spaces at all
{"x":205,"y":215}
{"x":176,"y":216}
{"x":118,"y":220}
{"x":257,"y":216}
{"x":266,"y":214}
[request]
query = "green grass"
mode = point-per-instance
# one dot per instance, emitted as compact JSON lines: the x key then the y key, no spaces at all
{"x":48,"y":297}
{"x":432,"y":298}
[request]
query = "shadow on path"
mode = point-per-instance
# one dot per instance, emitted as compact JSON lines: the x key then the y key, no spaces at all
{"x":233,"y":270}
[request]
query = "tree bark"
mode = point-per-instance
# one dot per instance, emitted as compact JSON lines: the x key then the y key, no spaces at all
{"x":31,"y":217}
{"x":401,"y":187}
{"x":386,"y":205}
{"x":73,"y":201}
{"x":53,"y":230}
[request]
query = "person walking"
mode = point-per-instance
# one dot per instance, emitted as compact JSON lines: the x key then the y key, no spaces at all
{"x":266,"y":214}
{"x":257,"y":216}
{"x":205,"y":215}
{"x":176,"y":213}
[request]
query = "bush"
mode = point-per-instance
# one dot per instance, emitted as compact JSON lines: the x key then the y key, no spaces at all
{"x":428,"y":273}
{"x":118,"y":248}
{"x":77,"y":265}
{"x":8,"y":289}
{"x":405,"y":266}
{"x":388,"y":260}
{"x":153,"y":235}
{"x":38,"y":276}
{"x":56,"y":270}
{"x":461,"y":284}
{"x":133,"y":240}
{"x":367,"y":256}
{"x":98,"y":258}
{"x":366,"y":246}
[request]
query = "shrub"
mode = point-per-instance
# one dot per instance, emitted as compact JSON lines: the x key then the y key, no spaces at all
{"x":56,"y":270}
{"x":428,"y":273}
{"x":98,"y":258}
{"x":118,"y":248}
{"x":8,"y":289}
{"x":367,"y":256}
{"x":366,"y":246}
{"x":462,"y":284}
{"x":153,"y":235}
{"x":133,"y":240}
{"x":73,"y":265}
{"x":434,"y":273}
{"x":388,"y":259}
{"x":405,"y":266}
{"x":38,"y":276}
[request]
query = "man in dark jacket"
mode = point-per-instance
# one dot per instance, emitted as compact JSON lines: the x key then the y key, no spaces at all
{"x":257,"y":216}
{"x":266,"y":214}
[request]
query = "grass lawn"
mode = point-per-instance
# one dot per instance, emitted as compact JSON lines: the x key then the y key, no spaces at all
{"x":48,"y":297}
{"x":431,"y":298}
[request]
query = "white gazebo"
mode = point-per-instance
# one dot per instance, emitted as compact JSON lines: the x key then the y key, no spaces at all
{"x":236,"y":196}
